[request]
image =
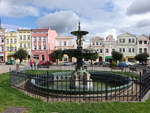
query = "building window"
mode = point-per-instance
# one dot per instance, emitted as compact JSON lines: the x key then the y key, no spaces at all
{"x":120,"y":40}
{"x":107,"y":51}
{"x":140,"y":50}
{"x":101,"y":50}
{"x":133,"y":41}
{"x":44,"y":47}
{"x":15,"y":41}
{"x":129,"y":40}
{"x":39,"y":47}
{"x":2,"y":40}
{"x":93,"y":43}
{"x":129,"y":50}
{"x":140,"y":42}
{"x":132,"y":50}
{"x":11,"y":41}
{"x":35,"y":47}
{"x":24,"y":37}
{"x":39,"y":38}
{"x":34,"y":39}
{"x":24,"y":45}
{"x":28,"y":45}
{"x":36,"y":56}
{"x":145,"y":42}
{"x":123,"y":40}
{"x":65,"y":43}
{"x":21,"y":45}
{"x":44,"y":39}
{"x":123,"y":49}
{"x":145,"y":50}
{"x":96,"y":43}
{"x":120,"y":49}
{"x":43,"y":58}
{"x":20,"y":37}
{"x":28,"y":37}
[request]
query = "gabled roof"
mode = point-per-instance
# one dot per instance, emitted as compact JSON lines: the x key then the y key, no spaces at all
{"x":143,"y":37}
{"x":126,"y":35}
{"x":97,"y":38}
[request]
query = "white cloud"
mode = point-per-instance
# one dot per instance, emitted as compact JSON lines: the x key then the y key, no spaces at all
{"x":139,"y":7}
{"x":63,"y":21}
{"x":96,"y":16}
{"x":13,"y":8}
{"x":9,"y":27}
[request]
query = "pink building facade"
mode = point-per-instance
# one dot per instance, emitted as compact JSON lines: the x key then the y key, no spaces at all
{"x":43,"y":43}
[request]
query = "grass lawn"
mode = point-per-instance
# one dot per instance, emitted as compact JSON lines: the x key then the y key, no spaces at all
{"x":10,"y":97}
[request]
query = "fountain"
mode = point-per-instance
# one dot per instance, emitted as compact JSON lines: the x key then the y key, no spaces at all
{"x":80,"y":82}
{"x":80,"y":77}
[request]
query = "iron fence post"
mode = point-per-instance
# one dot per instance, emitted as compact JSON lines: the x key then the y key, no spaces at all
{"x":106,"y":90}
{"x":140,"y":87}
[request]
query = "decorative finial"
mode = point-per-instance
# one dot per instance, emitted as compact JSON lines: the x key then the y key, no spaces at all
{"x":79,"y":26}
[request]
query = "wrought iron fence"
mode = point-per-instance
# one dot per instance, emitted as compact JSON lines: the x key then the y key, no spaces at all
{"x":56,"y":86}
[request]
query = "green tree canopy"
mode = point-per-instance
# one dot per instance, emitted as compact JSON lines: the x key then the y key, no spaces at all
{"x":117,"y":56}
{"x":21,"y":54}
{"x":142,"y":57}
{"x":85,"y":53}
{"x":57,"y":55}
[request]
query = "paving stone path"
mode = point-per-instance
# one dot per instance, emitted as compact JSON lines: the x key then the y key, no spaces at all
{"x":16,"y":110}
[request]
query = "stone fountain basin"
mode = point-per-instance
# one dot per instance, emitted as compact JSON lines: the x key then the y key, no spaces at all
{"x":105,"y":81}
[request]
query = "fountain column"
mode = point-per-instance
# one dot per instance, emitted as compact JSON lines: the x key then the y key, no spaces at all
{"x":80,"y":77}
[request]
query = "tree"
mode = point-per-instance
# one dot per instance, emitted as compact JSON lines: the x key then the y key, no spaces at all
{"x":142,"y":58}
{"x":21,"y":54}
{"x":57,"y":55}
{"x":91,"y":56}
{"x":85,"y":53}
{"x":117,"y":56}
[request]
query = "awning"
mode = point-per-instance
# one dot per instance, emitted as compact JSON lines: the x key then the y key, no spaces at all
{"x":108,"y":57}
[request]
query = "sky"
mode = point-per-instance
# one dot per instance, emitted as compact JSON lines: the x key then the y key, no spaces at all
{"x":98,"y":17}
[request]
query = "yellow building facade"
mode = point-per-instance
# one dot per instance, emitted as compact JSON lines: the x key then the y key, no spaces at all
{"x":24,"y":39}
{"x":11,"y":44}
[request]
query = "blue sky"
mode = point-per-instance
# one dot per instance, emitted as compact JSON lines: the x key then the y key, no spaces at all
{"x":99,"y":17}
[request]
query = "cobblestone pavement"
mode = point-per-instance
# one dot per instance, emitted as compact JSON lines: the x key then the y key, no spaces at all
{"x":15,"y":110}
{"x":5,"y":68}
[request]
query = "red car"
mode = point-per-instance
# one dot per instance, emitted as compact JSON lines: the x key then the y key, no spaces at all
{"x":44,"y":63}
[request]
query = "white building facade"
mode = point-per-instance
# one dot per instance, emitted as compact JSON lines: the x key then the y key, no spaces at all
{"x":104,"y":47}
{"x":142,"y":44}
{"x":126,"y":44}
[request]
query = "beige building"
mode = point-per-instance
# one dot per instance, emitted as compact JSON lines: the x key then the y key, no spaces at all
{"x":24,"y":39}
{"x":142,"y":44}
{"x":126,"y":44}
{"x":104,"y":47}
{"x":65,"y":42}
{"x":97,"y":44}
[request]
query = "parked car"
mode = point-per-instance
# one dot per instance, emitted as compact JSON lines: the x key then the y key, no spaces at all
{"x":99,"y":63}
{"x":44,"y":64}
{"x":122,"y":64}
{"x":67,"y":63}
{"x":106,"y":64}
{"x":10,"y":62}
